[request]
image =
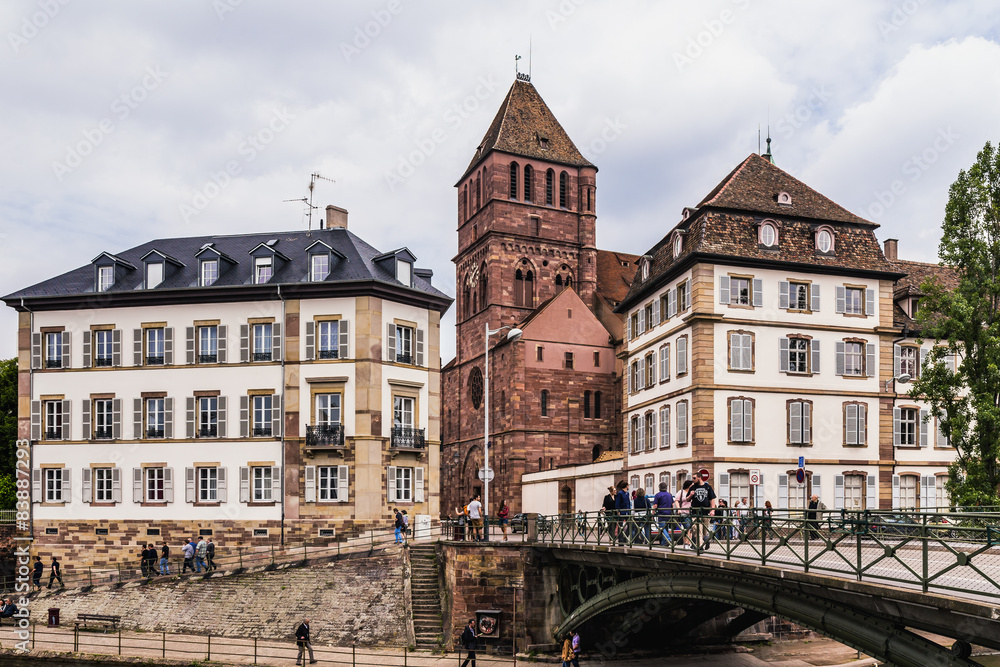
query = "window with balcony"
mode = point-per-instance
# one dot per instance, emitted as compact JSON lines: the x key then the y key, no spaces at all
{"x":103,"y":419}
{"x":54,"y":349}
{"x":328,"y":339}
{"x":327,"y":431}
{"x":208,"y":416}
{"x":208,"y":344}
{"x":103,"y":348}
{"x":262,"y":416}
{"x":155,"y":346}
{"x":404,"y":432}
{"x":54,"y":421}
{"x":155,"y":417}
{"x":404,"y":344}
{"x":262,"y":341}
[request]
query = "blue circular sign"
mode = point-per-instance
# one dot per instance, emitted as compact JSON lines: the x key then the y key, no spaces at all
{"x":800,"y":475}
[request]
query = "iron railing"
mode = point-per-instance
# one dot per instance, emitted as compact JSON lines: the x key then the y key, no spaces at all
{"x":208,"y":431}
{"x":102,"y":362}
{"x":404,"y":437}
{"x":154,"y":360}
{"x":934,"y":549}
{"x":325,"y":435}
{"x":208,"y":358}
{"x":261,"y":431}
{"x":103,"y":433}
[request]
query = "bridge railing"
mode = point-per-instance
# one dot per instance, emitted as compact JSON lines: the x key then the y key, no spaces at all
{"x":942,"y":551}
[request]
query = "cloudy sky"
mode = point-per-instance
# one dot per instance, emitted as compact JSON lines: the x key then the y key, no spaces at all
{"x":126,"y":121}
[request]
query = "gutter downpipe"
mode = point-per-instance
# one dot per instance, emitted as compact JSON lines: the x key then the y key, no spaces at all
{"x":282,"y":385}
{"x":31,"y":444}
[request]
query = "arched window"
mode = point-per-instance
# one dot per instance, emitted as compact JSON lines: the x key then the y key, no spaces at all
{"x":545,"y":402}
{"x":528,"y":173}
{"x":588,"y":199}
{"x":549,"y":178}
{"x":465,"y":202}
{"x":563,"y":189}
{"x":475,"y":302}
{"x":569,"y":281}
{"x":524,"y":289}
{"x":558,"y":281}
{"x":597,"y":405}
{"x":586,"y":405}
{"x":486,"y":187}
{"x":477,"y":193}
{"x":513,"y":180}
{"x":467,"y":301}
{"x":482,"y":286}
{"x":539,"y":463}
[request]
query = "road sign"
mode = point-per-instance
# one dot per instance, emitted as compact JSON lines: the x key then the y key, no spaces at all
{"x":483,"y":472}
{"x":754,"y":477}
{"x":802,"y":462}
{"x":800,"y":475}
{"x":703,"y":473}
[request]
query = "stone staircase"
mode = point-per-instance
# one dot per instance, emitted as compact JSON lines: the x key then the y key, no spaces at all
{"x":426,"y":596}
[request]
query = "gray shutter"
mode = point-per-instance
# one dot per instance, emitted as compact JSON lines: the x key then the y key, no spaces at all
{"x":851,"y":424}
{"x":841,"y":299}
{"x":116,"y":419}
{"x":87,"y":337}
{"x":687,"y":294}
{"x":418,"y":485}
{"x":782,"y":492}
{"x":223,"y":486}
{"x":817,"y":486}
{"x":838,"y":492}
{"x":390,"y":344}
{"x":795,"y":422}
{"x":923,"y":358}
{"x":806,"y":423}
{"x":36,"y":486}
{"x":839,"y":370}
{"x":137,"y":347}
{"x":758,"y":292}
{"x":747,"y":421}
{"x":310,"y":484}
{"x":36,"y":420}
{"x":420,"y":347}
{"x":223,"y":344}
{"x":276,"y":415}
{"x":628,"y":321}
{"x":814,"y":350}
{"x":85,"y":412}
{"x":343,"y":480}
{"x":735,"y":420}
{"x":344,"y":334}
{"x":310,"y":341}
{"x":862,"y":425}
{"x":724,"y":486}
{"x":86,"y":490}
{"x":136,"y":485}
{"x":895,"y":426}
{"x":244,"y":343}
{"x":244,"y":484}
{"x":67,"y":486}
{"x":783,"y":294}
{"x":223,"y":416}
{"x":67,"y":422}
{"x":116,"y":485}
{"x":642,"y":320}
{"x":168,"y":346}
{"x":36,"y":350}
{"x":189,"y":336}
{"x":871,"y":495}
{"x":682,"y":362}
{"x":814,"y":297}
{"x":656,"y":313}
{"x":276,"y":484}
{"x":244,"y":417}
{"x":672,"y":302}
{"x":67,"y":349}
{"x":870,"y":363}
{"x":276,"y":342}
{"x":783,"y":355}
{"x":895,"y":492}
{"x":923,"y":428}
{"x":390,"y":477}
{"x":190,"y":415}
{"x":137,"y":418}
{"x":189,"y":485}
{"x":116,"y":348}
{"x":870,"y":302}
{"x":896,"y":363}
{"x":168,"y":485}
{"x":723,"y":289}
{"x":168,"y":418}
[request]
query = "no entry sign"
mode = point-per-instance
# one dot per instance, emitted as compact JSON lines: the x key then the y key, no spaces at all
{"x":703,"y":473}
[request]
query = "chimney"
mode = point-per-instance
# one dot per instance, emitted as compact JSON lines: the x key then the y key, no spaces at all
{"x":891,"y":248}
{"x":336,"y":217}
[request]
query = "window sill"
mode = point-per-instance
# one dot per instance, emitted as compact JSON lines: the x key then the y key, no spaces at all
{"x":330,"y":502}
{"x":742,"y":443}
{"x":858,"y":446}
{"x":102,"y":504}
{"x":207,"y":504}
{"x":910,"y":447}
{"x":805,"y":311}
{"x":261,"y":503}
{"x":61,"y":503}
{"x":742,"y":306}
{"x":741,"y":370}
{"x":798,"y":444}
{"x":861,"y":315}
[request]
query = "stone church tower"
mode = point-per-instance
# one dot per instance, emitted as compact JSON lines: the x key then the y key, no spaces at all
{"x":527,"y":232}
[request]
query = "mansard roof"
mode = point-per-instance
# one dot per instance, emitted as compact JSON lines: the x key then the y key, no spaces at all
{"x":519,"y":127}
{"x":724,"y":229}
{"x":357,"y":270}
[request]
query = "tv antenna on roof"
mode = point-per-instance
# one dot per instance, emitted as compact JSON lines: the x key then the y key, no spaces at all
{"x":308,"y":201}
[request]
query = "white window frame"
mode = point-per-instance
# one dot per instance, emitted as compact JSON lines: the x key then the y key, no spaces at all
{"x":328,"y":339}
{"x":263,"y":340}
{"x":105,"y":278}
{"x":329,"y":409}
{"x":740,"y":351}
{"x":850,"y":307}
{"x":261,"y":484}
{"x":319,"y":267}
{"x":208,"y":342}
{"x":54,"y":349}
{"x":155,"y":416}
{"x":155,"y":274}
{"x":734,"y":292}
{"x":404,"y":485}
{"x":404,"y":344}
{"x":104,"y":418}
{"x":208,"y":417}
{"x":327,"y":483}
{"x":53,"y":479}
{"x":207,"y":479}
{"x":909,"y":419}
{"x":154,"y":486}
{"x":156,"y":341}
{"x":209,"y":273}
{"x":54,"y":420}
{"x":403,"y":411}
{"x":263,"y":269}
{"x":263,"y":414}
{"x":103,"y":485}
{"x":104,"y":349}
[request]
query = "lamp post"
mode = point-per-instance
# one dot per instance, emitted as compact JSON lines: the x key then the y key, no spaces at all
{"x":513,"y":334}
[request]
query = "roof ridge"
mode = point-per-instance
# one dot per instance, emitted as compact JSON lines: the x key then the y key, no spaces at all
{"x":725,"y":182}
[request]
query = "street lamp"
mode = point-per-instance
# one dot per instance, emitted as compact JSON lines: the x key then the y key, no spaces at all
{"x":513,"y":334}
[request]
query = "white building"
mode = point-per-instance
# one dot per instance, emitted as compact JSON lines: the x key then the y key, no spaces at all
{"x":255,"y":388}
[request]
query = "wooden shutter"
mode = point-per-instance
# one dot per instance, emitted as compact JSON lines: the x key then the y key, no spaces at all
{"x":681,"y":355}
{"x":244,"y":343}
{"x":67,"y":422}
{"x":928,"y":497}
{"x":244,"y":417}
{"x":682,"y":437}
{"x":664,"y":363}
{"x":244,"y":484}
{"x":814,"y":351}
{"x":276,"y":415}
{"x":870,"y":302}
{"x":735,"y":420}
{"x":896,"y":360}
{"x":871,"y":493}
{"x":870,"y":361}
{"x":390,"y":338}
{"x":87,"y":337}
{"x":189,"y":347}
{"x":724,"y":289}
{"x":806,"y":423}
{"x":814,"y":297}
{"x":168,"y":485}
{"x":36,"y":420}
{"x":862,"y":425}
{"x":420,"y":347}
{"x":418,"y":485}
{"x":223,"y":485}
{"x":310,"y":342}
{"x":66,"y":485}
{"x":642,"y":321}
{"x":841,"y":305}
{"x":782,"y":492}
{"x":36,"y":350}
{"x":895,"y":492}
{"x":36,"y":486}
{"x":795,"y":422}
{"x":629,"y":327}
{"x":276,"y":484}
{"x":67,"y":349}
{"x":137,"y":418}
{"x":782,"y":294}
{"x":168,"y":418}
{"x":116,"y":419}
{"x":672,"y":302}
{"x":641,"y":435}
{"x":724,"y":486}
{"x":923,"y":428}
{"x":851,"y":424}
{"x":168,"y":346}
{"x":310,"y":484}
{"x":758,"y":292}
{"x":687,"y":294}
{"x":116,"y":348}
{"x":137,"y":485}
{"x":838,"y":492}
{"x":223,"y":344}
{"x":223,"y":417}
{"x":656,"y":312}
{"x":137,"y":347}
{"x":342,"y":483}
{"x":190,"y":492}
{"x":783,"y":355}
{"x":344,"y":335}
{"x":896,"y":412}
{"x":85,"y":414}
{"x":391,"y":484}
{"x":747,"y":420}
{"x":641,"y":383}
{"x":839,"y":363}
{"x":116,"y":485}
{"x":276,"y":342}
{"x":817,"y":486}
{"x":190,"y":415}
{"x":86,"y":489}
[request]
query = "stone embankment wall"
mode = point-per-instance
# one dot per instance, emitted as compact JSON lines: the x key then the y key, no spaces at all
{"x":356,"y":600}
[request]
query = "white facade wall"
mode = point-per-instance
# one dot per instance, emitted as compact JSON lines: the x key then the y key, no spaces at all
{"x":540,"y":491}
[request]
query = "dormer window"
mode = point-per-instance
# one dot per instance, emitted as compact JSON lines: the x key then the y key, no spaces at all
{"x":784,"y":199}
{"x":263,"y":269}
{"x":767,"y":235}
{"x":319,"y":268}
{"x":678,"y":245}
{"x":824,"y":240}
{"x":403,"y":272}
{"x":209,"y":272}
{"x":105,"y":278}
{"x":645,"y":269}
{"x":154,"y":274}
{"x":543,"y":142}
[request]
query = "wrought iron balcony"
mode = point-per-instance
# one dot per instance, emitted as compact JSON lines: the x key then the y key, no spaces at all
{"x":152,"y":432}
{"x":329,"y":354}
{"x":53,"y":434}
{"x":103,"y":433}
{"x":262,"y":356}
{"x":403,"y":358}
{"x":408,"y":438}
{"x":262,"y":431}
{"x":102,"y":362}
{"x":325,"y":435}
{"x":53,"y":363}
{"x":208,"y":431}
{"x":208,"y":358}
{"x":154,"y":361}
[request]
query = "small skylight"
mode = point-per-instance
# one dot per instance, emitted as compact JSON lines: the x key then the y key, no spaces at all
{"x":271,"y":243}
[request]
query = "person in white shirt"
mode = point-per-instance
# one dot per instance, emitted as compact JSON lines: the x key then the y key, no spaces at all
{"x":743,"y":514}
{"x":475,"y":510}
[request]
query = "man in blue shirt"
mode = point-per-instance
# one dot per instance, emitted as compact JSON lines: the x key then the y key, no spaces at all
{"x":623,"y":505}
{"x":664,"y":503}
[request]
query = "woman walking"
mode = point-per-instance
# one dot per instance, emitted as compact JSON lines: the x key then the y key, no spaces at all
{"x":503,"y":515}
{"x":567,"y":650}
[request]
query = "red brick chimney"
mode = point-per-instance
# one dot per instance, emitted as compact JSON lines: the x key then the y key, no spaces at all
{"x":336,"y":217}
{"x":891,"y":249}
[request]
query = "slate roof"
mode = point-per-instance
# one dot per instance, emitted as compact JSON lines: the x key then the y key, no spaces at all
{"x":615,"y":271}
{"x":725,"y":225}
{"x":521,"y":120}
{"x":357,"y":265}
{"x":910,"y":285}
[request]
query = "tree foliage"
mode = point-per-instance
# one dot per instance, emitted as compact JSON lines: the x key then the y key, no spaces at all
{"x":8,"y":415}
{"x":967,"y":320}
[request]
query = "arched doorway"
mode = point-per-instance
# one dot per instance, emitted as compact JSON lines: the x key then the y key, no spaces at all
{"x":566,"y":500}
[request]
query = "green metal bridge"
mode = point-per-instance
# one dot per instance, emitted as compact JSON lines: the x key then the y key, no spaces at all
{"x":868,"y":579}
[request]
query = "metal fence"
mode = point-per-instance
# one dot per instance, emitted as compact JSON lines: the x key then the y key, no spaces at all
{"x":934,"y":550}
{"x":7,"y":516}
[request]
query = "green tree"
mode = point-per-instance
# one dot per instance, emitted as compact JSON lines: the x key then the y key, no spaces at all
{"x":967,"y":320}
{"x":8,"y":416}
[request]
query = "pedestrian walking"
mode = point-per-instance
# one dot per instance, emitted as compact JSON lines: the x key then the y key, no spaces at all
{"x":576,"y":648}
{"x":398,"y":525}
{"x":742,"y":514}
{"x":406,"y":526}
{"x":165,"y":559}
{"x":815,"y":506}
{"x":55,"y":574}
{"x":703,"y":499}
{"x":150,"y":560}
{"x":640,"y":508}
{"x":475,"y":510}
{"x":503,"y":518}
{"x":607,"y":512}
{"x":188,"y":551}
{"x":200,"y":552}
{"x":664,"y":503}
{"x":469,"y":642}
{"x":211,"y":555}
{"x":623,"y":508}
{"x":36,"y":576}
{"x":144,"y":560}
{"x":567,"y":650}
{"x":302,"y":639}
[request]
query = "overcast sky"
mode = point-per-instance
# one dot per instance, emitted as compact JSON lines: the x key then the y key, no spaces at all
{"x":126,"y":121}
